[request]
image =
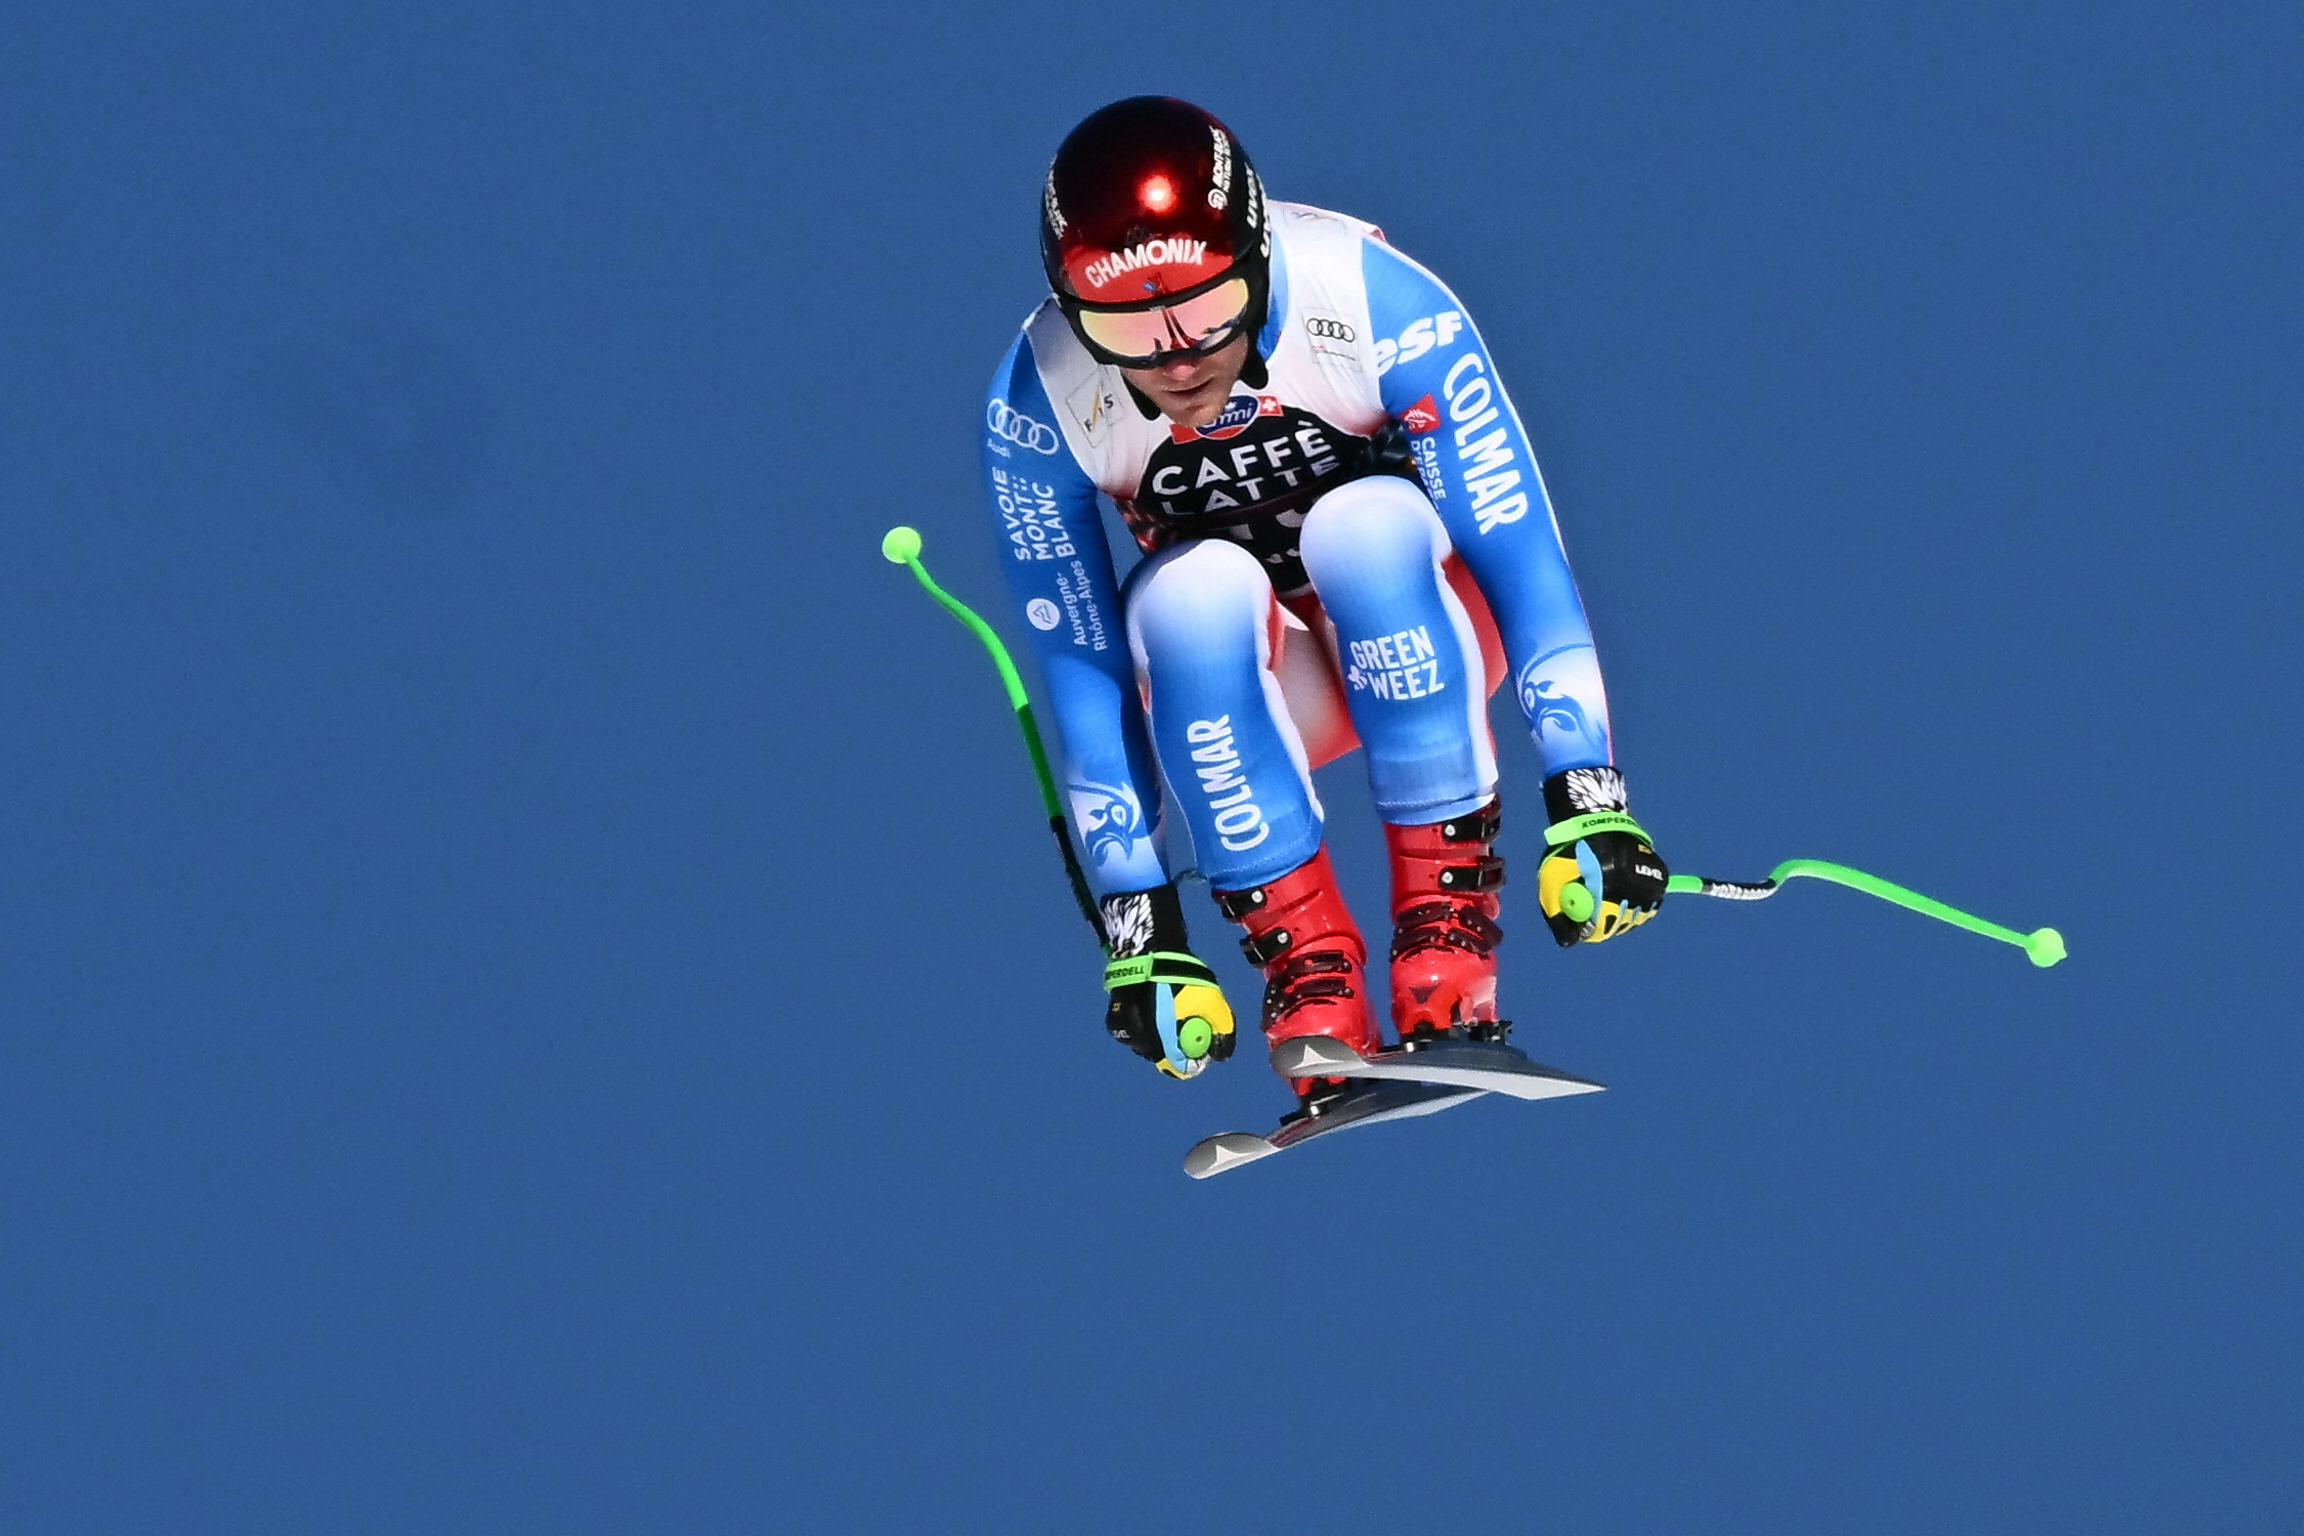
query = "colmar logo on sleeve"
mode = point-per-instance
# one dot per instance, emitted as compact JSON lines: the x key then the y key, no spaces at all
{"x":1484,"y":454}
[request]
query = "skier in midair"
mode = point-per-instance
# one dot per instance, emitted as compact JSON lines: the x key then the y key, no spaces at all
{"x":1347,"y":544}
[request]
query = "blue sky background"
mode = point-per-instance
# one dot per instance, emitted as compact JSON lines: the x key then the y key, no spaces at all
{"x":533,"y":996}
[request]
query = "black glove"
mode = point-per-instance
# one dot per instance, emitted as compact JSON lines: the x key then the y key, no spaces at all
{"x":1155,"y":981}
{"x":1599,"y":877}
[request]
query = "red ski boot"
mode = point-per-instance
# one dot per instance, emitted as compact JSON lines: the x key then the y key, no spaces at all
{"x":1444,"y":933}
{"x":1302,"y":937}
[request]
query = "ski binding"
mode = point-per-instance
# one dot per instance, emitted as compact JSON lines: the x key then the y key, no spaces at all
{"x":1490,"y":1066}
{"x":1396,"y":1084}
{"x":1365,"y":1104}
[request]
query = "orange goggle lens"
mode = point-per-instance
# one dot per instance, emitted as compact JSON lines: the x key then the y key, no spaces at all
{"x":1201,"y":323}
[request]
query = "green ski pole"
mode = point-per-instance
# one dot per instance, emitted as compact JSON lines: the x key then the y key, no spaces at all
{"x":2043,"y":946}
{"x":901,"y":546}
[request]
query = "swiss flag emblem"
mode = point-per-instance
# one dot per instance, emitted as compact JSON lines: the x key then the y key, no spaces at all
{"x":1422,"y":417}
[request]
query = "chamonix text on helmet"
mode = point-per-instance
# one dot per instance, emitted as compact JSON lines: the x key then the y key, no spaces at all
{"x":1153,"y":232}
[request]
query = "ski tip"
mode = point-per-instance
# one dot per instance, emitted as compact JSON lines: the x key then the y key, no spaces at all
{"x":1562,"y":1086}
{"x":1222,"y":1154}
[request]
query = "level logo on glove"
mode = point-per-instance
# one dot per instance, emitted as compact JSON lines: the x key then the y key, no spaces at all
{"x":1165,"y":1004}
{"x":1600,"y":876}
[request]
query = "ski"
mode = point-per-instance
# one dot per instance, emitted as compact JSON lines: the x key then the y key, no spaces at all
{"x":1487,"y":1065}
{"x":1369,"y":1104}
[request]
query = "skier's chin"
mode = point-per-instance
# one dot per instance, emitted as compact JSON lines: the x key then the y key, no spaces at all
{"x":1199,"y":406}
{"x":1190,"y":402}
{"x":1195,"y":406}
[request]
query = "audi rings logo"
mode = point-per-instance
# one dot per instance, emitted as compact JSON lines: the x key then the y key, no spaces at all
{"x":1331,"y":330}
{"x":1019,"y":428}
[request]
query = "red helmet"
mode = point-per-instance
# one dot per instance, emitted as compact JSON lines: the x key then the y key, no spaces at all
{"x":1154,"y":233}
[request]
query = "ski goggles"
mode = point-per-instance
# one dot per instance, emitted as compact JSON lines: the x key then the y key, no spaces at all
{"x":1145,"y":335}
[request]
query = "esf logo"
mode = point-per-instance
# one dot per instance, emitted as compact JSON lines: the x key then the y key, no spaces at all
{"x":1420,"y":337}
{"x":1019,"y":428}
{"x":1238,"y":412}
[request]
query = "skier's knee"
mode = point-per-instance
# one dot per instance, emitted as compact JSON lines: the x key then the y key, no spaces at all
{"x":1380,"y":522}
{"x":1199,"y":592}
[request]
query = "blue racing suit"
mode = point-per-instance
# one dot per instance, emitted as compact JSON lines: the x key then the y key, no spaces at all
{"x":1368,"y":457}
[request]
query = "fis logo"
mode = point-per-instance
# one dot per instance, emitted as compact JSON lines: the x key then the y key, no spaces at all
{"x":1092,"y":406}
{"x":1238,"y":412}
{"x":1421,"y":336}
